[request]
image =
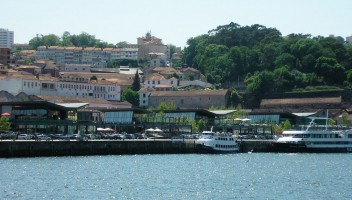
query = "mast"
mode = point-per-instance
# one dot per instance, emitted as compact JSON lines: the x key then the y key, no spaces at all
{"x":326,"y":121}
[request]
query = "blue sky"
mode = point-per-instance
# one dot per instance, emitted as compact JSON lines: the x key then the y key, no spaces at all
{"x":172,"y":21}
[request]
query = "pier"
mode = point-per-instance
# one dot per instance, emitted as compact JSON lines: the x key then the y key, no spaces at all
{"x":10,"y":148}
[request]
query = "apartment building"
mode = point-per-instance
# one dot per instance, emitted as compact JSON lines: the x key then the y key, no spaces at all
{"x":6,"y":38}
{"x":95,"y":57}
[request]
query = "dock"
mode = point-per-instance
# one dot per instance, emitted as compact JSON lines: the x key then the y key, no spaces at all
{"x":24,"y":148}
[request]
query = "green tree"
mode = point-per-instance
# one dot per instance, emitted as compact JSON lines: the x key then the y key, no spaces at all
{"x":65,"y":39}
{"x":201,"y":125}
{"x":136,"y":85}
{"x":5,"y":125}
{"x":121,"y":44}
{"x":131,"y":96}
{"x":163,"y":106}
{"x":93,"y":78}
{"x":286,"y":125}
{"x":235,"y":97}
{"x":51,"y":40}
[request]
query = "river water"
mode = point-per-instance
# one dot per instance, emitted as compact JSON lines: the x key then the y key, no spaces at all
{"x":186,"y":176}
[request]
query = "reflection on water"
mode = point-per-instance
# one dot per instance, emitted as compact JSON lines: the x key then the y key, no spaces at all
{"x":192,"y":176}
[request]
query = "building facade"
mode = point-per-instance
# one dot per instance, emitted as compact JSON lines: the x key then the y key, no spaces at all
{"x":5,"y":55}
{"x":31,"y":85}
{"x":6,"y":38}
{"x":95,"y":57}
{"x":201,"y":99}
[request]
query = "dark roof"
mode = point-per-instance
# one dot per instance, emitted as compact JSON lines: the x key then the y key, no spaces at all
{"x":189,"y":93}
{"x":36,"y":105}
{"x":201,"y":112}
{"x":135,"y":110}
{"x":301,"y":101}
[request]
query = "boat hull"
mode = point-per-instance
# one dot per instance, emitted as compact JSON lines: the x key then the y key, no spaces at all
{"x":210,"y":150}
{"x":301,"y":148}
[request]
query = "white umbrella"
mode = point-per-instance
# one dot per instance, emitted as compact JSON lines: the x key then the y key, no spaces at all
{"x":246,"y":119}
{"x":237,"y":119}
{"x":150,"y":129}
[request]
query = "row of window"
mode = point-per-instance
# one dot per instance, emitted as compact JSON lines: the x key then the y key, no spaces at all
{"x":339,"y":143}
{"x":318,"y":135}
{"x":224,"y":139}
{"x":69,"y":86}
{"x":225,"y":146}
{"x":153,"y":82}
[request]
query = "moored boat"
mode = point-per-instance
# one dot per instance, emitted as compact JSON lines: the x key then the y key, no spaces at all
{"x":315,"y":139}
{"x":211,"y":142}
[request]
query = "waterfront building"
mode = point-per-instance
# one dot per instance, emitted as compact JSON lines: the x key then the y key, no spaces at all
{"x":6,"y":38}
{"x":46,"y":117}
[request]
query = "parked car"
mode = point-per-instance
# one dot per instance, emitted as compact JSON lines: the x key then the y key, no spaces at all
{"x":130,"y":136}
{"x":24,"y":137}
{"x":43,"y":137}
{"x":117,"y":136}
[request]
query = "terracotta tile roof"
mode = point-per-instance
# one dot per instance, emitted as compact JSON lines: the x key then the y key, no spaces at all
{"x":302,"y":101}
{"x":62,"y":99}
{"x":188,"y":93}
{"x":164,"y":69}
{"x":120,"y":79}
{"x":189,"y":69}
{"x":154,"y":77}
{"x":27,"y":67}
{"x":163,"y":86}
{"x":47,"y":77}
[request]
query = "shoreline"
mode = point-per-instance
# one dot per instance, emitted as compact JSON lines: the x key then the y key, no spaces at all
{"x":32,"y":148}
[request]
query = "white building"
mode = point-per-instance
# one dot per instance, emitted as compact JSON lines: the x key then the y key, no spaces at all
{"x":349,"y":40}
{"x":95,"y":57}
{"x":15,"y":83}
{"x":6,"y":38}
{"x":159,"y":82}
{"x":144,"y":96}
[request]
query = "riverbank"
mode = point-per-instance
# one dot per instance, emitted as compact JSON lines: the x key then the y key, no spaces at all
{"x":25,"y":148}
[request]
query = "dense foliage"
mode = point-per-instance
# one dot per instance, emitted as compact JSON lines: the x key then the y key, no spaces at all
{"x":267,"y":62}
{"x":81,"y":40}
{"x":5,"y":125}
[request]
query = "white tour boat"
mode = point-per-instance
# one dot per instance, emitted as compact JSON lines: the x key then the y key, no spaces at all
{"x":315,"y":138}
{"x":211,"y":142}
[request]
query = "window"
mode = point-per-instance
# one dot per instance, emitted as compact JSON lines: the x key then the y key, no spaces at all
{"x":144,"y":95}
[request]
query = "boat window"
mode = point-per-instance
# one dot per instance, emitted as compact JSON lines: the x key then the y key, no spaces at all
{"x":298,"y":136}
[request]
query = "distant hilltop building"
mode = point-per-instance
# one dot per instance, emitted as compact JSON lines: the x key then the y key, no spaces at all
{"x":6,"y":38}
{"x":152,"y":47}
{"x":349,"y":39}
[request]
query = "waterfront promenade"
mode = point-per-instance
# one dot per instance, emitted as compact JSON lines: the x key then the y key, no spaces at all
{"x":32,"y":148}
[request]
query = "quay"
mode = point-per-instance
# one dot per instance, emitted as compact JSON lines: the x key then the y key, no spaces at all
{"x":9,"y":148}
